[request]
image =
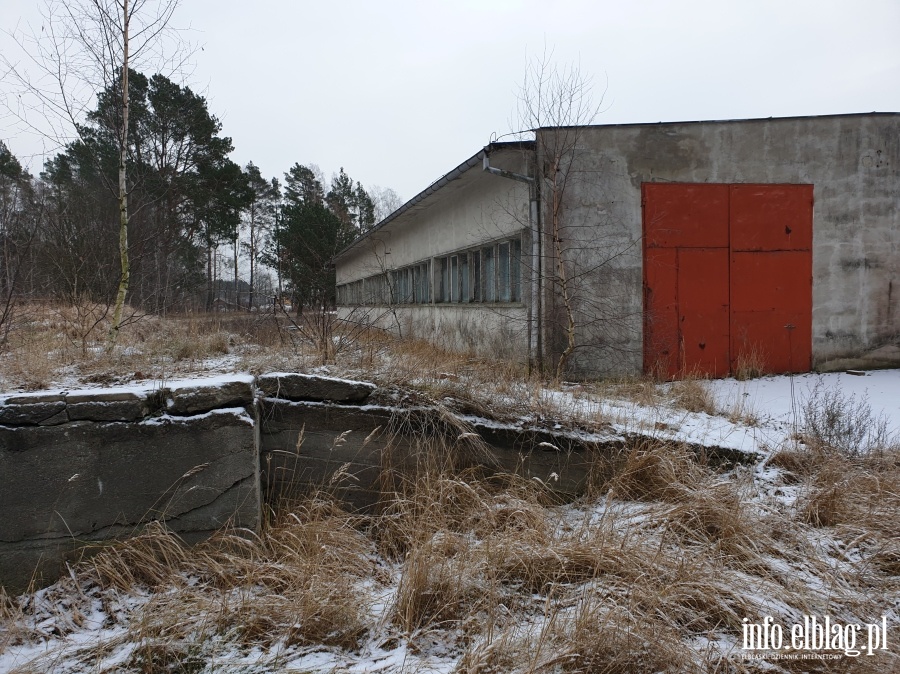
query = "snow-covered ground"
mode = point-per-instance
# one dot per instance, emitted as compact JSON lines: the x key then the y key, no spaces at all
{"x":775,"y":400}
{"x":754,"y":415}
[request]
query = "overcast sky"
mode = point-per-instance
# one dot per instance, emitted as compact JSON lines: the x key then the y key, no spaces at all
{"x":399,"y":93}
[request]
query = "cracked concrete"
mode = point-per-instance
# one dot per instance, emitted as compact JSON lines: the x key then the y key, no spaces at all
{"x":83,"y":480}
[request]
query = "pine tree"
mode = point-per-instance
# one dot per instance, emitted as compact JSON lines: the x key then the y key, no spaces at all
{"x":259,"y":218}
{"x":185,"y":195}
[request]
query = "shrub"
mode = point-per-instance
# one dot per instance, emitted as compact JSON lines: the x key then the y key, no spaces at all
{"x":834,"y":421}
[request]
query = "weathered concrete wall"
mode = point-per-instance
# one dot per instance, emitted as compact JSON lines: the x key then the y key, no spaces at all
{"x":77,"y":468}
{"x":356,"y":454}
{"x":853,"y":162}
{"x":492,"y":330}
{"x":86,"y":466}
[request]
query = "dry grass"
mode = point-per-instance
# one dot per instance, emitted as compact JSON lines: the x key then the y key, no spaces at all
{"x":692,"y":394}
{"x":862,"y":491}
{"x":670,"y":553}
{"x":643,"y":391}
{"x":42,"y":352}
{"x":48,"y":346}
{"x":750,"y":364}
{"x":298,"y":582}
{"x":836,"y":422}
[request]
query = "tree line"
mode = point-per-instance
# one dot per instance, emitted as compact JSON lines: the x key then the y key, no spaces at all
{"x":189,"y":205}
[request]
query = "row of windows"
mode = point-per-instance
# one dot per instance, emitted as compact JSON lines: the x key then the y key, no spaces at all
{"x":487,"y":274}
{"x":410,"y":285}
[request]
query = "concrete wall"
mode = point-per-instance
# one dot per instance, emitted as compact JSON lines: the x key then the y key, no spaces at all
{"x":82,"y":467}
{"x":853,"y":162}
{"x":475,"y":208}
{"x":86,"y":466}
{"x":380,"y":446}
{"x":79,"y":468}
{"x":494,"y":330}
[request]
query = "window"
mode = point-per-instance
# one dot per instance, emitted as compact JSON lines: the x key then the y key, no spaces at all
{"x":444,"y":290}
{"x":503,"y":283}
{"x":515,"y":270}
{"x":399,"y":290}
{"x":464,"y":277}
{"x":424,"y":285}
{"x":490,"y":272}
{"x":410,"y":285}
{"x":454,"y":279}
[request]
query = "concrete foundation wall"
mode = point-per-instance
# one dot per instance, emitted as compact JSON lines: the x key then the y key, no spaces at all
{"x":82,"y":467}
{"x":853,"y":162}
{"x":379,"y":446}
{"x":490,"y":330}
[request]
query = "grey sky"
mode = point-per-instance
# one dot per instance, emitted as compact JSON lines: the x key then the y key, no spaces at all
{"x":400,"y":92}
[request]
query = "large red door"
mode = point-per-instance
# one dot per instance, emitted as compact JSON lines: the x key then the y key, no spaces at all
{"x":771,"y":276}
{"x":727,"y":275}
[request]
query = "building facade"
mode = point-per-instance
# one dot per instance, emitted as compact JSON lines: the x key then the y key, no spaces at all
{"x":671,"y":248}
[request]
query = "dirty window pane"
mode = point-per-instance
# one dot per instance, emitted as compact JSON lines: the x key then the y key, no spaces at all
{"x":503,"y":272}
{"x":464,"y":277}
{"x":490,"y":273}
{"x":424,"y":285}
{"x":454,"y":279}
{"x":445,"y":280}
{"x":515,"y":270}
{"x":476,"y":276}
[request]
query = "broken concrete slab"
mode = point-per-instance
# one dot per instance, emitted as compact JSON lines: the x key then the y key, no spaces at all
{"x":119,"y":410}
{"x":187,"y":400}
{"x":32,"y":398}
{"x":102,"y":396}
{"x":30,"y":414}
{"x":294,"y":386}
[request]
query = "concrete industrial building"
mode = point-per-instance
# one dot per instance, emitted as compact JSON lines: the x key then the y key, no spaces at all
{"x":656,"y":248}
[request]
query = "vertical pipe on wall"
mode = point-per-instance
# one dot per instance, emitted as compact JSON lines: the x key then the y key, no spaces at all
{"x":535,"y":352}
{"x":534,"y":310}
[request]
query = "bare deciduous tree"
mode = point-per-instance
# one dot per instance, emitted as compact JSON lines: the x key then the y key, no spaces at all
{"x":386,"y":201}
{"x":85,"y":47}
{"x":556,"y":104}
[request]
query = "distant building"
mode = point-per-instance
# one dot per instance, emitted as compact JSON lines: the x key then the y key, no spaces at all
{"x":658,"y":248}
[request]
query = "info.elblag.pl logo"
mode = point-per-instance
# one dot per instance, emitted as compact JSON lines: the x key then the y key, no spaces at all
{"x":816,"y":635}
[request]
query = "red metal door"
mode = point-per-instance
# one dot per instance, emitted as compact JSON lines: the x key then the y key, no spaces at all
{"x":661,"y":342}
{"x":727,"y":277}
{"x":685,"y":279}
{"x":703,"y":311}
{"x":771,"y":276}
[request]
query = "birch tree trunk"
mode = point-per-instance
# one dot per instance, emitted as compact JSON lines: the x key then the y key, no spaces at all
{"x":123,"y":191}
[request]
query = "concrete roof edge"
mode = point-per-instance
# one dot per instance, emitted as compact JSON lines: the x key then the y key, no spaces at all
{"x":729,"y":121}
{"x":468,"y":164}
